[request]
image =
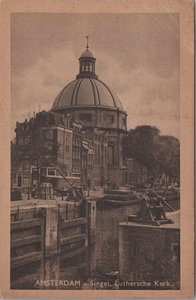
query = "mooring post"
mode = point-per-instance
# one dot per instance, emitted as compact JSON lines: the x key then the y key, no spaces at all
{"x":51,"y":234}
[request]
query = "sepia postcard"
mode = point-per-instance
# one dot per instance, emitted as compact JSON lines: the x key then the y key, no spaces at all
{"x":97,"y":149}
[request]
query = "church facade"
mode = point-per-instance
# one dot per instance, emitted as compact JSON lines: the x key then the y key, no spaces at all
{"x":90,"y":101}
{"x":90,"y":128}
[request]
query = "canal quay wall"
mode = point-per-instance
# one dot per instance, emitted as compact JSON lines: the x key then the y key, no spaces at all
{"x":150,"y":255}
{"x":45,"y":228}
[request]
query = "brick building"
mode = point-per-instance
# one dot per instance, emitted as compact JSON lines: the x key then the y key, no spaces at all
{"x":56,"y":135}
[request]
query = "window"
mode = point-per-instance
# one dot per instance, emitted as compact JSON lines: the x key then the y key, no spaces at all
{"x":109,"y":119}
{"x":19,"y":180}
{"x":111,"y":155}
{"x":124,"y":122}
{"x":43,"y":172}
{"x":34,"y":173}
{"x":51,"y":172}
{"x":86,"y":117}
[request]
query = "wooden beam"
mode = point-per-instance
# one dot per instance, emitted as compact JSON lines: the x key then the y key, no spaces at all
{"x":20,"y":225}
{"x":26,"y":241}
{"x":72,"y":239}
{"x":26,"y":259}
{"x":74,"y":222}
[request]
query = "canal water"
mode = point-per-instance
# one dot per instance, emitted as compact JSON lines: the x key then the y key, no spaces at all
{"x":99,"y":261}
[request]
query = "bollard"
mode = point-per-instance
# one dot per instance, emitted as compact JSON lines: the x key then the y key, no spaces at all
{"x":51,"y":231}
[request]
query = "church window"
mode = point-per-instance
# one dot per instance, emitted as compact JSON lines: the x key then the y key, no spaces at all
{"x":86,"y":117}
{"x":109,"y":119}
{"x":111,"y":155}
{"x":124,"y":122}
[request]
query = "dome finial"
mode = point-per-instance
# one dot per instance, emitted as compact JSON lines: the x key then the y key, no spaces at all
{"x":87,"y":46}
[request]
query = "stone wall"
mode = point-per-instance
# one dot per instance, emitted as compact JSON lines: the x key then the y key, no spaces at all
{"x":149,"y":253}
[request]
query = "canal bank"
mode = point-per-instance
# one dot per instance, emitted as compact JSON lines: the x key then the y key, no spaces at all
{"x":88,"y":250}
{"x":83,"y":245}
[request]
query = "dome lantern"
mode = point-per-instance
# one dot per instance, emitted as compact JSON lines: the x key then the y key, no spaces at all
{"x":87,"y":64}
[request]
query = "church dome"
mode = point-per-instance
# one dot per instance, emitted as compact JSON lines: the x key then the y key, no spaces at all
{"x":87,"y":53}
{"x":86,"y":92}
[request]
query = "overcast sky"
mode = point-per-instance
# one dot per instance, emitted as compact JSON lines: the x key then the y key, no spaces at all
{"x":137,"y":56}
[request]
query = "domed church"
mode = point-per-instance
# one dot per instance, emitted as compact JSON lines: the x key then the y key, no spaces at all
{"x":91,"y":101}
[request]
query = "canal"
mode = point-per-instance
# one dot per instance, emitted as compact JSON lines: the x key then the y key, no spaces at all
{"x":99,"y":260}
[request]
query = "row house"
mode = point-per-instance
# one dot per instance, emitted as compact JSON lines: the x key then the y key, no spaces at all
{"x":55,"y":149}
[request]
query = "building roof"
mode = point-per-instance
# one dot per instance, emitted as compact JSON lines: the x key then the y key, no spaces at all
{"x":87,"y":53}
{"x":86,"y":92}
{"x":50,"y":118}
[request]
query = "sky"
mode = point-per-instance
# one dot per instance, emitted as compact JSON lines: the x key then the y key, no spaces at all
{"x":138,"y":56}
